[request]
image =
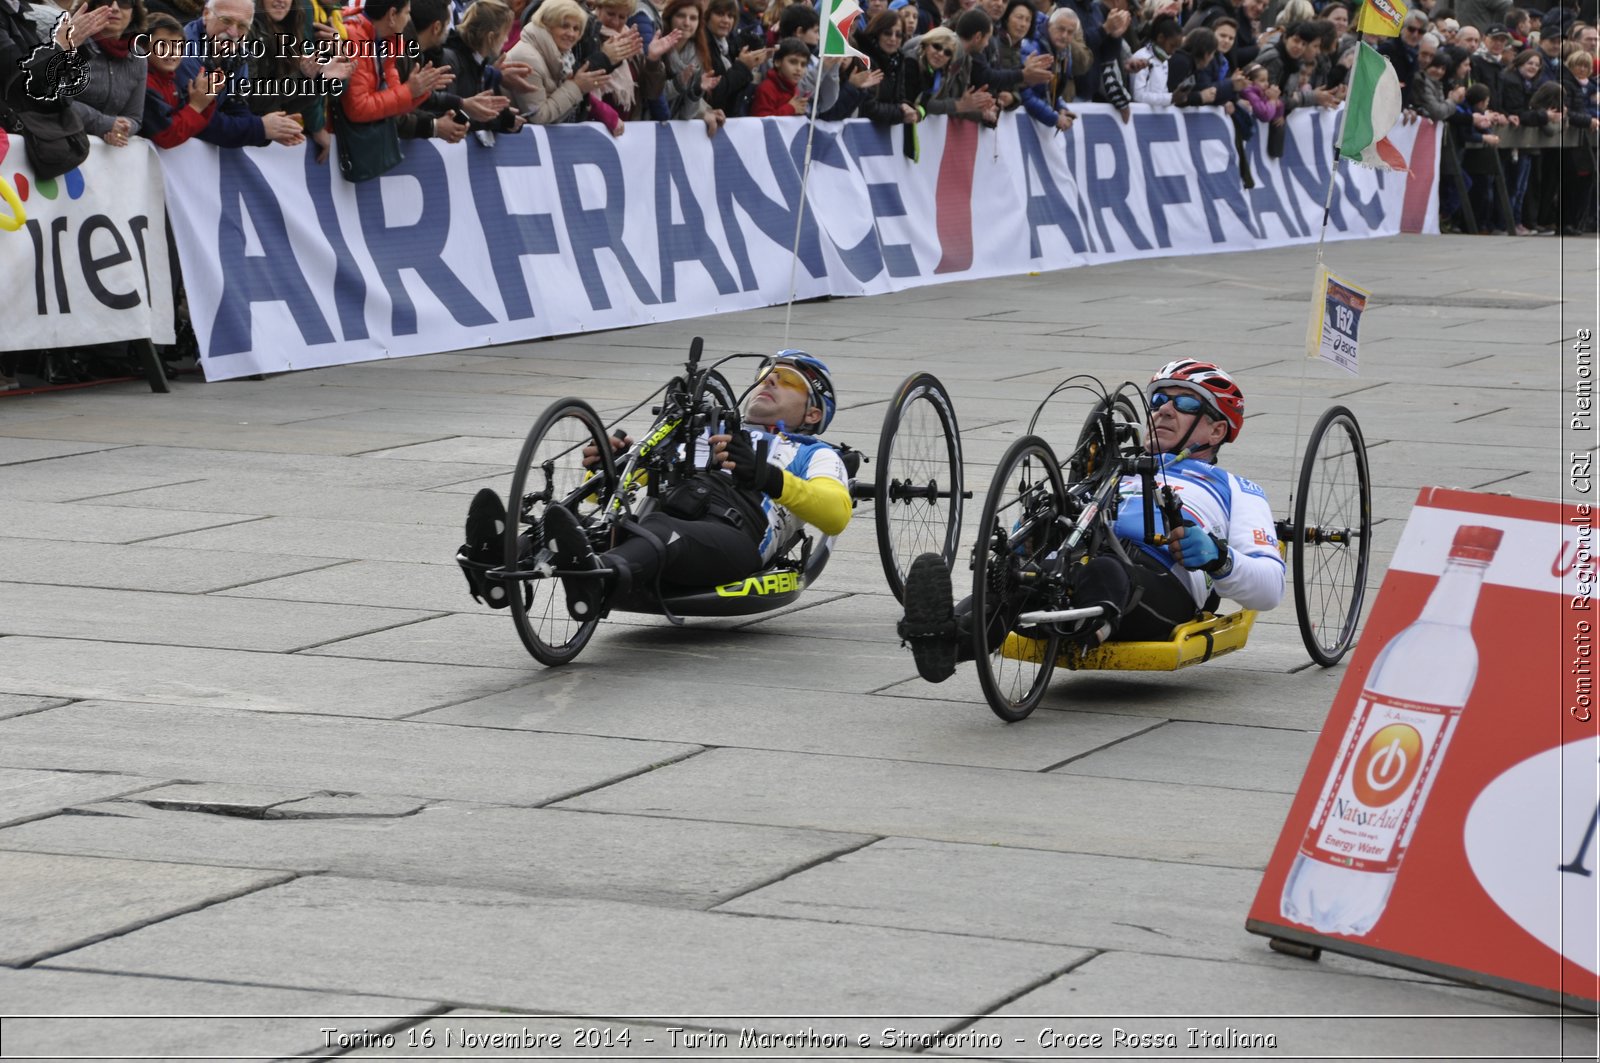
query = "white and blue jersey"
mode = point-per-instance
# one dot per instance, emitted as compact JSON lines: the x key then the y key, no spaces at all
{"x":808,"y":459}
{"x":1222,"y":504}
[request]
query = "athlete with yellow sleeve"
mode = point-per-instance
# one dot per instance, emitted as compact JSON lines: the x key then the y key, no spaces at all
{"x":763,"y":482}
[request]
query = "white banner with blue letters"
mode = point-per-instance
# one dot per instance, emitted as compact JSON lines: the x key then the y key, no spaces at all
{"x":564,"y":229}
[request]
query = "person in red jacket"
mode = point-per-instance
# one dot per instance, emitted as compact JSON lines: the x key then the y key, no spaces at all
{"x":776,"y":94}
{"x":373,"y":33}
{"x":169,"y":120}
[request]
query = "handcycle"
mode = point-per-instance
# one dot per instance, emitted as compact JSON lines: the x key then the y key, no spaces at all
{"x":1044,"y":516}
{"x":917,"y":493}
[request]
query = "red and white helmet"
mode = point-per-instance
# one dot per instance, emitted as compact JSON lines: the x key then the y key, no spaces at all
{"x":1213,"y":385}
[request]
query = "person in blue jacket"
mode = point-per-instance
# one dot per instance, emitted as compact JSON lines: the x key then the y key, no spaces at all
{"x":214,"y":41}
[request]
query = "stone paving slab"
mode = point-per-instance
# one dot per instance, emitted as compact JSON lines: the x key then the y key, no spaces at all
{"x":150,"y":429}
{"x":54,"y":903}
{"x":1114,"y":903}
{"x":547,"y":852}
{"x":186,"y":619}
{"x":1209,"y":693}
{"x":116,"y":472}
{"x":17,"y":450}
{"x":1191,"y":824}
{"x":186,"y":1019}
{"x":494,"y":949}
{"x":224,"y":799}
{"x":1429,"y":1020}
{"x":105,"y":524}
{"x":315,"y":752}
{"x":266,"y":682}
{"x":26,"y":794}
{"x":288,"y":497}
{"x":640,"y":705}
{"x":366,"y":540}
{"x":144,"y":567}
{"x":16,"y":705}
{"x":1245,"y":758}
{"x":414,"y":585}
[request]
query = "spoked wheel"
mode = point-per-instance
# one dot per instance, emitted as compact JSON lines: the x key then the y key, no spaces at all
{"x":550,"y":472}
{"x":1020,"y":530}
{"x":1332,"y":536}
{"x":1112,"y":427}
{"x":918,"y":486}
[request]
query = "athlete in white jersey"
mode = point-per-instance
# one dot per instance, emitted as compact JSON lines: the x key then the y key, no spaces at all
{"x":1225,"y":546}
{"x":762,"y":484}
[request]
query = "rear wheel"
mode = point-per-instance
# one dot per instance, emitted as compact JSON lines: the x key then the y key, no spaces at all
{"x":1020,"y":532}
{"x":1332,"y":536}
{"x":550,"y":472}
{"x":917,"y":489}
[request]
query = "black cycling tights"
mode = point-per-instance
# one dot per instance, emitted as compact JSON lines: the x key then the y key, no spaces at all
{"x":699,"y":553}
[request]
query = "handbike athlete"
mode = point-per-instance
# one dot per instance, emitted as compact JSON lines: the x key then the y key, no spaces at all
{"x":762,"y":483}
{"x":1224,"y":546}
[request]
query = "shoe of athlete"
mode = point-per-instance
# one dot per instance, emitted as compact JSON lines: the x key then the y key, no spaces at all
{"x":486,"y":527}
{"x":564,"y":537}
{"x":929,"y":626}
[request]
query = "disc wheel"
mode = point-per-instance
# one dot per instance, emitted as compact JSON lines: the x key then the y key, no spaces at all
{"x":1332,"y":536}
{"x":1017,"y":535}
{"x":550,"y":472}
{"x":918,"y":485}
{"x":1112,"y":428}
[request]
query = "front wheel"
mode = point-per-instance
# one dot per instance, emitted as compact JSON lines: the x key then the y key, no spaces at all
{"x":1332,"y":536}
{"x":918,"y":486}
{"x":550,"y":472}
{"x":1019,"y":537}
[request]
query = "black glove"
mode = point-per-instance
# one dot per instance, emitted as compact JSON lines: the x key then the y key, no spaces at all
{"x":750,"y":466}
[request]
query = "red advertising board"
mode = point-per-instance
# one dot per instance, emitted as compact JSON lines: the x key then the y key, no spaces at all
{"x":1447,"y":820}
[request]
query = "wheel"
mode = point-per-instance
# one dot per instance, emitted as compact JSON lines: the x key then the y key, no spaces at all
{"x":918,"y":485}
{"x":1332,"y":536}
{"x":1020,"y":529}
{"x":720,"y":391}
{"x":1112,"y":428}
{"x":550,"y":472}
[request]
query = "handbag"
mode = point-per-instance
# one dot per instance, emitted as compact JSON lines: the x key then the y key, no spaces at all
{"x":55,"y":142}
{"x":366,"y":149}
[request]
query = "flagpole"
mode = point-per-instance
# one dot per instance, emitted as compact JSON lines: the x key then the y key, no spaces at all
{"x":1300,"y":402}
{"x":800,"y":212}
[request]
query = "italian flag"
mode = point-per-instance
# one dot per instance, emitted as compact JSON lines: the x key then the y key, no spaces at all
{"x":838,"y":16}
{"x":1371,"y":110}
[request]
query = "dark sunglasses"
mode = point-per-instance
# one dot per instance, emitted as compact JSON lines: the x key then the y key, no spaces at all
{"x":1185,"y":402}
{"x":126,"y":5}
{"x":942,"y":50}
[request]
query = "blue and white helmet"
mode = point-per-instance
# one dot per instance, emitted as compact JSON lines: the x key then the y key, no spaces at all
{"x":815,"y":370}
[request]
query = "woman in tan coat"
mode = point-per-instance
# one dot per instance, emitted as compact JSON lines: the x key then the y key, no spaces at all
{"x":556,"y":84}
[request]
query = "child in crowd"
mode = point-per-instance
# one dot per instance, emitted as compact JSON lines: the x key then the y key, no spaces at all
{"x":168,"y":120}
{"x":1262,"y":95}
{"x":777,"y":93}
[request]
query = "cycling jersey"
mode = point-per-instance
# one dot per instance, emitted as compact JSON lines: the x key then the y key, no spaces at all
{"x":1222,"y":504}
{"x":815,"y":487}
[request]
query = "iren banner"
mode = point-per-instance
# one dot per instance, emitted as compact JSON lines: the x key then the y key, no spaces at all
{"x":564,"y":229}
{"x":83,"y":257}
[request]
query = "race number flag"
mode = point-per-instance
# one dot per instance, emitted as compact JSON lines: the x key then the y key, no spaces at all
{"x":1371,"y":110}
{"x":1334,"y":331}
{"x":1380,"y":17}
{"x":838,"y":19}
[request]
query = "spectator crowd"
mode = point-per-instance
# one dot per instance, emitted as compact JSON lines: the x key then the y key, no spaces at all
{"x":1515,"y":89}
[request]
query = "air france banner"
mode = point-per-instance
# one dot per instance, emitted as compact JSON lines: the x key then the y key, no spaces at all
{"x":83,"y":257}
{"x":564,"y":229}
{"x":1447,"y":819}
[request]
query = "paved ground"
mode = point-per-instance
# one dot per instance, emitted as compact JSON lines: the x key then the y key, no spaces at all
{"x":261,"y":756}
